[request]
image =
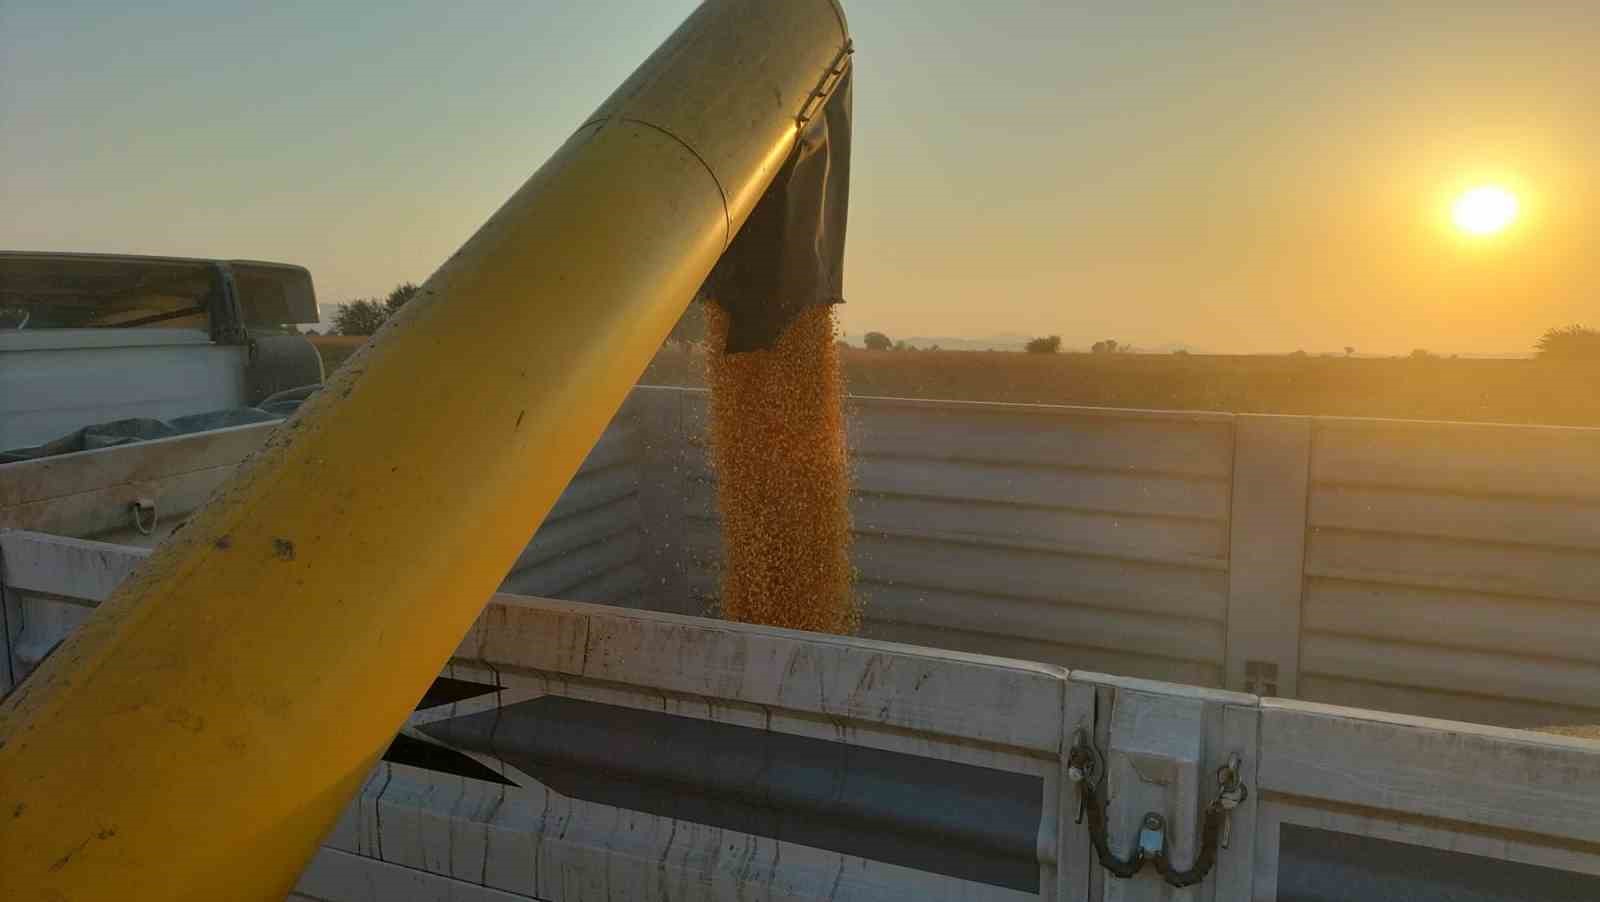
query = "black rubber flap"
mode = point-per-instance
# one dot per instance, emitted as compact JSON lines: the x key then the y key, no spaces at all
{"x":790,"y":253}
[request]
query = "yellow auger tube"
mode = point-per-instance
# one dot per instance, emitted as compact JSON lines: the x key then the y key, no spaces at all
{"x":200,"y":735}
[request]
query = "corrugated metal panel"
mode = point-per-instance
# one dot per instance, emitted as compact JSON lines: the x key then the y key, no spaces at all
{"x":1449,"y":570}
{"x":1470,"y":458}
{"x":588,"y":548}
{"x":1055,"y":437}
{"x":556,"y":577}
{"x":1454,"y":570}
{"x":1078,"y":537}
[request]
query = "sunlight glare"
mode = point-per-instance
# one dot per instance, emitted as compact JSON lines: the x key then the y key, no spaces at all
{"x":1484,"y":210}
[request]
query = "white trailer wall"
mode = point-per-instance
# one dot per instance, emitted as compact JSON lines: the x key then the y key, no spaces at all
{"x":1439,"y":569}
{"x":1436,"y":569}
{"x":575,"y":752}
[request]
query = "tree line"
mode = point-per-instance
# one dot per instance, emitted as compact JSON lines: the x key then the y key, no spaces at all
{"x":1573,"y":342}
{"x":364,"y":316}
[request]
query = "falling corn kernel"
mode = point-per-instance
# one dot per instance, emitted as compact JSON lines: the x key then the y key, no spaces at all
{"x":783,"y":481}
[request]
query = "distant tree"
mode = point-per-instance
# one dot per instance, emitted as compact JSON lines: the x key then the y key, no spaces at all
{"x":1421,"y":354}
{"x":1047,"y":345}
{"x":934,"y":348}
{"x":362,"y":317}
{"x":877,"y":341}
{"x":1349,"y":351}
{"x":1569,"y":343}
{"x":902,"y":346}
{"x":1181,"y":352}
{"x":691,"y":326}
{"x":397,"y":298}
{"x":842,"y":345}
{"x":1299,"y":354}
{"x":1109,"y":346}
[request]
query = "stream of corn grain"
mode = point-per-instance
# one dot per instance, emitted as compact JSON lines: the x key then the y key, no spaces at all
{"x":783,"y":480}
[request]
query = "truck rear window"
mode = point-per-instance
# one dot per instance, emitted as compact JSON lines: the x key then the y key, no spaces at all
{"x":87,"y":291}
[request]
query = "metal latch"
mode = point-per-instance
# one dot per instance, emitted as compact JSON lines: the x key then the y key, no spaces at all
{"x":1085,"y":768}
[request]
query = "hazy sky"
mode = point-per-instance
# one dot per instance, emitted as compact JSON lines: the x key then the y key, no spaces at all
{"x":1239,"y":177}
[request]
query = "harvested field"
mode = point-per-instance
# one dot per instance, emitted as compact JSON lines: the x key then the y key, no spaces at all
{"x":335,"y":349}
{"x":1500,"y":391}
{"x":1496,"y":391}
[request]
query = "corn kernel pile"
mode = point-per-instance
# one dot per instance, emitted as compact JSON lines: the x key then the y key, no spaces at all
{"x":783,"y":481}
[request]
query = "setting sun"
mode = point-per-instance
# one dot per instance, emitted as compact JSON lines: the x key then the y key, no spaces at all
{"x":1485,"y":210}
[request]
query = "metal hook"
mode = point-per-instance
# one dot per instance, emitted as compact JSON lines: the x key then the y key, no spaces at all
{"x":137,"y":509}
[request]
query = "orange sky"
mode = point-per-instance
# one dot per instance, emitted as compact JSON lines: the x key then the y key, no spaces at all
{"x":1251,"y":178}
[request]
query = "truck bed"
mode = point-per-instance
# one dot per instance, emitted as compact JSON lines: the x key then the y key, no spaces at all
{"x":631,"y":748}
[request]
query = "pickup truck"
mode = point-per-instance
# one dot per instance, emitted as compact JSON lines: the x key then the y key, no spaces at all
{"x":88,"y":340}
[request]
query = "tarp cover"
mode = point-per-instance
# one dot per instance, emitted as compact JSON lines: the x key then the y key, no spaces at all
{"x":790,"y":252}
{"x":143,"y":429}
